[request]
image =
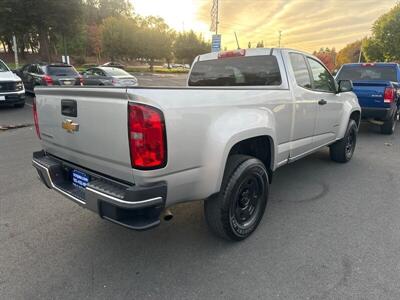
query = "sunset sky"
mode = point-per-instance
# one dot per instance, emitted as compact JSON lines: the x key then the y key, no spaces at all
{"x":305,"y":24}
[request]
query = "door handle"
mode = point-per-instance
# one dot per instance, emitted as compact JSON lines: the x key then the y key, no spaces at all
{"x":69,"y":108}
{"x":322,"y":102}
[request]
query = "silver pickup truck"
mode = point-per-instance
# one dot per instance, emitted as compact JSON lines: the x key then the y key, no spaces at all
{"x":130,"y":153}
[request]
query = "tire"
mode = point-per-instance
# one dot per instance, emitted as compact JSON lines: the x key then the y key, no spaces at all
{"x":389,"y":126}
{"x":342,"y":151}
{"x":20,"y":105}
{"x":235,"y":212}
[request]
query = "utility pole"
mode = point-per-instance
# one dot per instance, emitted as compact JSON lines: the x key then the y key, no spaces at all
{"x":214,"y":17}
{"x":216,"y":38}
{"x":65,"y":50}
{"x":280,"y":37}
{"x":216,"y":22}
{"x":237,"y":42}
{"x":15,"y":48}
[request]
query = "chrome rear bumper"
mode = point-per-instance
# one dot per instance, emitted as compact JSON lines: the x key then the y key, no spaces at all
{"x":131,"y":206}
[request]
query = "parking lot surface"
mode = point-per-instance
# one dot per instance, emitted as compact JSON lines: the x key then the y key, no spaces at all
{"x":331,"y":231}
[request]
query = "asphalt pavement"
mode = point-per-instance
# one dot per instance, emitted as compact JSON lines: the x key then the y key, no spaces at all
{"x":331,"y":231}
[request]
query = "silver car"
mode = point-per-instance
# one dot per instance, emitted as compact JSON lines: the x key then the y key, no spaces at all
{"x":108,"y":76}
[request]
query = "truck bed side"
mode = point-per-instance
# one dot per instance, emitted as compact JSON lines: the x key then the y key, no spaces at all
{"x":202,"y":125}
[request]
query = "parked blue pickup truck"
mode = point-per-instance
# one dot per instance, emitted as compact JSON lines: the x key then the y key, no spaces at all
{"x":377,"y":86}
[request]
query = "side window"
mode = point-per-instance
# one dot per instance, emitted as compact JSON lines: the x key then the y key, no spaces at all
{"x":89,"y":72}
{"x":323,"y":80}
{"x":26,"y":68}
{"x":32,"y":69}
{"x":300,"y":70}
{"x":98,"y":72}
{"x":39,"y":70}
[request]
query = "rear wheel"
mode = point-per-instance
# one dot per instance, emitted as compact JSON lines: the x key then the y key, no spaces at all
{"x":342,"y":151}
{"x":235,"y":212}
{"x":389,"y":126}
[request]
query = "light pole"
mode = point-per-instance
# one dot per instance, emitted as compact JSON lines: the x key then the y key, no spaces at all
{"x":279,"y":40}
{"x":15,"y":48}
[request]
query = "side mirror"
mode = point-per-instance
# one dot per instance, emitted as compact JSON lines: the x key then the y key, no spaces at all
{"x":345,"y":86}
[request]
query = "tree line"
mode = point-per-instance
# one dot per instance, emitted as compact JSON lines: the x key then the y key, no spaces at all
{"x":100,"y":28}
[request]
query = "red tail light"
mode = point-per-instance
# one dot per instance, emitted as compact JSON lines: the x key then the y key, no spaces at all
{"x":147,"y":138}
{"x":47,"y":80}
{"x":35,"y":118}
{"x":232,"y":53}
{"x":389,"y":95}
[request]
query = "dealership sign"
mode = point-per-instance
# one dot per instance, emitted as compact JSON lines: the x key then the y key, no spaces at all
{"x":216,"y":43}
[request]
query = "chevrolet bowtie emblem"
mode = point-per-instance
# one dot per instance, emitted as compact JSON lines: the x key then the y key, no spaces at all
{"x":70,"y":126}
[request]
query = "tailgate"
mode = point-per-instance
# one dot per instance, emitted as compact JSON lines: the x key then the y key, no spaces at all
{"x":96,"y":138}
{"x":371,"y":93}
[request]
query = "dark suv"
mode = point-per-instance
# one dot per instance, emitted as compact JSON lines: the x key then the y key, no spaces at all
{"x":48,"y":74}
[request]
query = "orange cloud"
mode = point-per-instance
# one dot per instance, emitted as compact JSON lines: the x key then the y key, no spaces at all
{"x":305,"y":24}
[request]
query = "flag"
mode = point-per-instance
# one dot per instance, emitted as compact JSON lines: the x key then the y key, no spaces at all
{"x":214,"y":16}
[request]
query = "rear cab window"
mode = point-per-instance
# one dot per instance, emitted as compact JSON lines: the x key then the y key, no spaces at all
{"x":259,"y":70}
{"x":62,"y":71}
{"x":368,"y":72}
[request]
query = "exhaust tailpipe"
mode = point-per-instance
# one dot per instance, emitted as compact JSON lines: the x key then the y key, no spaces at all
{"x":168,"y":215}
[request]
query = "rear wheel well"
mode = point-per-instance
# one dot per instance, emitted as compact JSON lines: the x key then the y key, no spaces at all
{"x":356,"y":116}
{"x":260,"y":147}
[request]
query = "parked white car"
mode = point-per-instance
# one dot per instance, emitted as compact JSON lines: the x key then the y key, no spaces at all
{"x":130,"y":153}
{"x":12,"y":91}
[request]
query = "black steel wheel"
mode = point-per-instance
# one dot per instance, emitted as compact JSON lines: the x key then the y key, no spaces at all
{"x":350,"y":144}
{"x":342,"y":151}
{"x":238,"y":208}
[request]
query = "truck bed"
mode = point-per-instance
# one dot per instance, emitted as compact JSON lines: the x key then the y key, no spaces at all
{"x":101,"y":143}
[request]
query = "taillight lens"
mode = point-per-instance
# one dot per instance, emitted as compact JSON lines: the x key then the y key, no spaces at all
{"x":35,"y":118}
{"x":389,"y":95}
{"x":47,"y":80}
{"x":147,"y":137}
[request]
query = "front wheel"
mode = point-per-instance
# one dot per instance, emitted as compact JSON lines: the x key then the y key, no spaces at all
{"x":342,"y":151}
{"x":235,"y":212}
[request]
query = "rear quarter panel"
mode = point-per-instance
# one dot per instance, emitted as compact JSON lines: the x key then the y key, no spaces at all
{"x":202,"y":126}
